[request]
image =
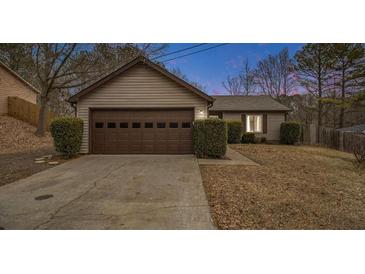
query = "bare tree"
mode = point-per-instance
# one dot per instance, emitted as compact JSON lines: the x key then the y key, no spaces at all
{"x":247,"y":78}
{"x":274,"y":75}
{"x":233,"y":85}
{"x":56,"y":67}
{"x":286,"y":67}
{"x":177,"y":72}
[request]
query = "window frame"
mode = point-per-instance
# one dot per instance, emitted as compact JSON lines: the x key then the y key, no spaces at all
{"x":173,"y":123}
{"x":125,"y":123}
{"x":136,"y":123}
{"x":248,"y":123}
{"x":184,"y":123}
{"x":150,"y":123}
{"x":160,"y":123}
{"x":102,"y":125}
{"x":115,"y":125}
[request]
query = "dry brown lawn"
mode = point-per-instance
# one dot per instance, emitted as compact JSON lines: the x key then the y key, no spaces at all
{"x":296,"y":187}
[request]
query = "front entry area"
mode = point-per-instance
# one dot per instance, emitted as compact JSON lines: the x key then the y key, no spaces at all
{"x":141,"y":131}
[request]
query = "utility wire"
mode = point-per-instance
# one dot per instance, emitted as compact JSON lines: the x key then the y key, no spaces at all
{"x":195,"y":52}
{"x":180,"y":50}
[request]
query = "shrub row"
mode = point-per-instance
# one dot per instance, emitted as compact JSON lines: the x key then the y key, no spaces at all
{"x":289,"y":133}
{"x":210,"y":137}
{"x":67,"y":135}
{"x":248,"y":138}
{"x":234,"y":132}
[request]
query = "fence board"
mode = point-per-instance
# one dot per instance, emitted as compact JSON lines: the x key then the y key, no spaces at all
{"x":332,"y":138}
{"x":27,"y":112}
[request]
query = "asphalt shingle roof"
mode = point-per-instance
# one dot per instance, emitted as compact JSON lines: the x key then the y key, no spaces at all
{"x":246,"y":103}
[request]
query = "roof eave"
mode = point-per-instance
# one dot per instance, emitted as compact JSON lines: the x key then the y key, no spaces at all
{"x":12,"y":72}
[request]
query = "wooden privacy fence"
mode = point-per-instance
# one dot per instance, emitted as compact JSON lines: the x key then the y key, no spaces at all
{"x":329,"y":137}
{"x":26,"y":111}
{"x":332,"y":138}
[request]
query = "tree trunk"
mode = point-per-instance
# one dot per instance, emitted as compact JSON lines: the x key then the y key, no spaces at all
{"x":342,"y":110}
{"x":41,"y":129}
{"x":319,"y":122}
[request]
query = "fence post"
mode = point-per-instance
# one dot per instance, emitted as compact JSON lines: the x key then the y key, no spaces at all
{"x":312,"y":134}
{"x":340,"y":141}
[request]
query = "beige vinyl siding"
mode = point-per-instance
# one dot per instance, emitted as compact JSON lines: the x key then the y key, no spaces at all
{"x":10,"y":85}
{"x":139,"y":87}
{"x":274,"y":121}
{"x":232,"y":116}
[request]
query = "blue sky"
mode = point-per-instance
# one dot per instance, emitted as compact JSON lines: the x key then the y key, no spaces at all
{"x":211,"y":67}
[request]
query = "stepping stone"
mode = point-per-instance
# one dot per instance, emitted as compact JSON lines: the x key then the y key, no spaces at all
{"x":39,"y":161}
{"x":48,"y":156}
{"x":53,"y":163}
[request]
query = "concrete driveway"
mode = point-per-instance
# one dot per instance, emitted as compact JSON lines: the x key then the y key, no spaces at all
{"x":110,"y":192}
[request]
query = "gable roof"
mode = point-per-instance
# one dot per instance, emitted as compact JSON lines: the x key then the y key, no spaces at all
{"x":138,"y":60}
{"x":246,"y":103}
{"x":16,"y":75}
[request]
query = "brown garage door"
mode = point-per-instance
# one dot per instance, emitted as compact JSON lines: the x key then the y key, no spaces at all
{"x":141,"y":131}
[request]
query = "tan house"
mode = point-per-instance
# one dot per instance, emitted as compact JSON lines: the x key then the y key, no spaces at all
{"x":11,"y":84}
{"x":140,"y":108}
{"x":143,"y":108}
{"x":259,"y":114}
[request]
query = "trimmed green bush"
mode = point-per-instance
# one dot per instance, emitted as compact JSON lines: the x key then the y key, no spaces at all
{"x":210,"y":138}
{"x":248,"y":138}
{"x":289,"y":133}
{"x":234,"y":132}
{"x":67,"y":135}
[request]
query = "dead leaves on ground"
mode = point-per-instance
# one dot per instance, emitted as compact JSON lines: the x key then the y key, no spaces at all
{"x":295,"y":188}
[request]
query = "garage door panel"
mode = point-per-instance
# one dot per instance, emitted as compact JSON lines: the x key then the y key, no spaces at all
{"x":142,"y":131}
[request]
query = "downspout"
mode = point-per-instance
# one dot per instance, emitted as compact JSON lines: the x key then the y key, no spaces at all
{"x":74,"y":106}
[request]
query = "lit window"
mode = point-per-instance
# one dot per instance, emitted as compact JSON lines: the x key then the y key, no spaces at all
{"x":254,"y":123}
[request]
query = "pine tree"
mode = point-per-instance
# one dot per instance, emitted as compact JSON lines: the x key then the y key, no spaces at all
{"x":314,"y":67}
{"x":348,"y":65}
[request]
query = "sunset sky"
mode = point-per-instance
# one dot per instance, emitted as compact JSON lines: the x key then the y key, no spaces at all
{"x":211,"y":67}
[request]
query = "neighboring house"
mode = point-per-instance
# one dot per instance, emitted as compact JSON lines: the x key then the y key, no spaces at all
{"x":259,"y":114}
{"x":11,"y":84}
{"x":354,"y":129}
{"x":140,"y":108}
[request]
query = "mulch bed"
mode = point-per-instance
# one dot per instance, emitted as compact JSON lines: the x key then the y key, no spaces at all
{"x":296,"y":187}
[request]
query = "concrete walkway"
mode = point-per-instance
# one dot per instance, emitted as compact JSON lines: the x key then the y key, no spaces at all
{"x":233,"y":158}
{"x":110,"y":192}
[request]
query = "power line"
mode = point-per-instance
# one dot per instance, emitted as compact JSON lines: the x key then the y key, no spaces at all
{"x":177,"y":51}
{"x":216,"y":46}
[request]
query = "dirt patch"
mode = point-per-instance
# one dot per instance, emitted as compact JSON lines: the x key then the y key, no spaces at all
{"x":17,"y":136}
{"x":294,"y":188}
{"x":19,"y":147}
